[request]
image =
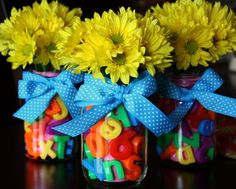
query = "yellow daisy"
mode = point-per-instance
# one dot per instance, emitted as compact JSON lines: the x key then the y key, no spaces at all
{"x":91,"y":55}
{"x":201,"y":32}
{"x":47,"y":47}
{"x":191,"y":47}
{"x":156,"y":47}
{"x":176,"y":16}
{"x":221,"y":20}
{"x":5,"y":36}
{"x":68,"y":16}
{"x":27,"y":22}
{"x":70,"y":46}
{"x":111,"y":46}
{"x":124,"y":65}
{"x":22,"y":50}
{"x":232,"y":35}
{"x":120,"y":29}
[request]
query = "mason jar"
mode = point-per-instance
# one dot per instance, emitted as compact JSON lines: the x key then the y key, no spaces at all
{"x":42,"y":143}
{"x":192,"y":142}
{"x":114,"y":151}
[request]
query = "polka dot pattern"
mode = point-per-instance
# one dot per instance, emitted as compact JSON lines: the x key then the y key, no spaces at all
{"x":38,"y":92}
{"x":148,"y":114}
{"x":219,"y":104}
{"x":83,"y":122}
{"x":105,"y":96}
{"x":202,"y":91}
{"x":179,"y":113}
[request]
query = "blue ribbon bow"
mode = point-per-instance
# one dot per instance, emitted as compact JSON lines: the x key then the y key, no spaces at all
{"x":202,"y":91}
{"x":106,"y":96}
{"x":38,"y":92}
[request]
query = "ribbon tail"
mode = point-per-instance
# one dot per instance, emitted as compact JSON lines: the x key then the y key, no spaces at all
{"x":218,"y":103}
{"x":179,"y":113}
{"x":148,"y":114}
{"x":83,"y":122}
{"x":40,"y":104}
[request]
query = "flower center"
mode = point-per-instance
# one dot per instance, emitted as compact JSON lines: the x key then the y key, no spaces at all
{"x":27,"y":49}
{"x":117,"y":39}
{"x":119,"y":59}
{"x":191,"y":47}
{"x":51,"y":48}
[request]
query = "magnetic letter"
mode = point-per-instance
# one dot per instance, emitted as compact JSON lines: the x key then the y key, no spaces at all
{"x":132,"y":171}
{"x":111,"y":129}
{"x":26,"y":127}
{"x":69,"y":147}
{"x":53,"y":108}
{"x":96,"y":128}
{"x":108,"y":169}
{"x":121,"y":147}
{"x":202,"y":154}
{"x":206,"y":127}
{"x":133,"y":120}
{"x":88,"y":153}
{"x":94,"y":167}
{"x":46,"y":146}
{"x":164,"y":140}
{"x":63,"y":113}
{"x":97,"y":145}
{"x":61,"y":141}
{"x":120,"y":114}
{"x":185,"y":155}
{"x":193,"y":142}
{"x":137,"y":143}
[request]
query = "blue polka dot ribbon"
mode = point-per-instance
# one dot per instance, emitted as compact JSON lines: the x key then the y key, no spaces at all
{"x":202,"y":91}
{"x":105,"y":96}
{"x":39,"y":90}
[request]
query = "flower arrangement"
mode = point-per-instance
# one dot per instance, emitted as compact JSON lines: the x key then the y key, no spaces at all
{"x":32,"y":38}
{"x":119,"y":46}
{"x":33,"y":35}
{"x":201,"y":32}
{"x":119,"y":52}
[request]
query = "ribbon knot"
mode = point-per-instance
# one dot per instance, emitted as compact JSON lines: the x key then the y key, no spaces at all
{"x":187,"y":95}
{"x":202,"y":91}
{"x":119,"y":95}
{"x":51,"y":83}
{"x":105,"y":96}
{"x":38,"y":91}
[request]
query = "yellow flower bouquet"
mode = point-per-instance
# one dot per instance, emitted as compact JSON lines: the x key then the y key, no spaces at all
{"x":32,"y":38}
{"x":33,"y":35}
{"x":120,"y":53}
{"x":119,"y":46}
{"x":201,"y":33}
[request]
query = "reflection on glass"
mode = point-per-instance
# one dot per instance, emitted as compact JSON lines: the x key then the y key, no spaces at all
{"x":42,"y":175}
{"x":88,"y":186}
{"x":184,"y":179}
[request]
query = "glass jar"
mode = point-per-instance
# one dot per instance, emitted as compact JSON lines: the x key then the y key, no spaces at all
{"x":41,"y":141}
{"x":226,"y":136}
{"x":114,"y":151}
{"x":192,"y":142}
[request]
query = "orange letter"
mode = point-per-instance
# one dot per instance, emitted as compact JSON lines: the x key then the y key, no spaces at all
{"x":132,"y":171}
{"x":97,"y":145}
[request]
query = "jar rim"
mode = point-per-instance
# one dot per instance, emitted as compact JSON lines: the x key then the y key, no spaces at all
{"x":46,"y":73}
